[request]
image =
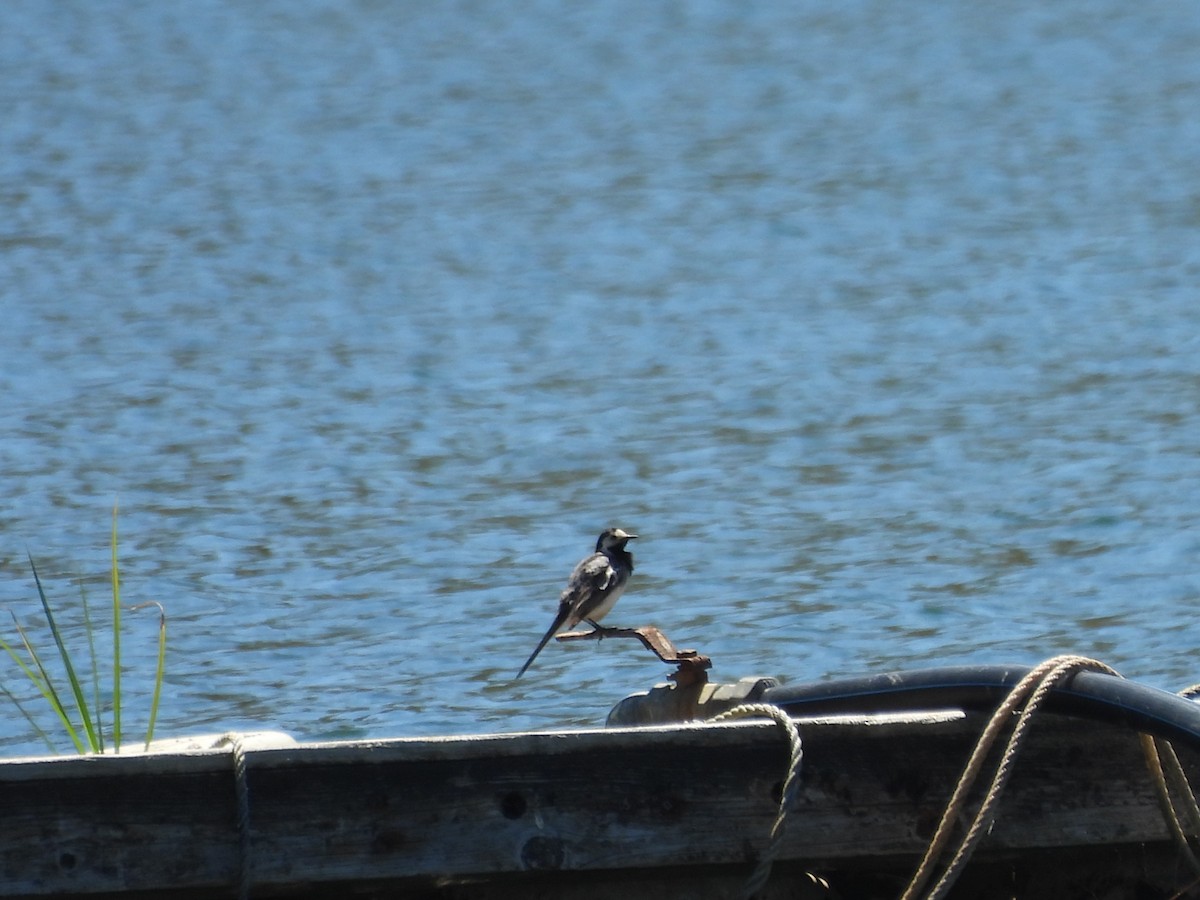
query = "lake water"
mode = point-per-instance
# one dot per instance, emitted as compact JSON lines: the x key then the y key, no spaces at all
{"x":878,"y":322}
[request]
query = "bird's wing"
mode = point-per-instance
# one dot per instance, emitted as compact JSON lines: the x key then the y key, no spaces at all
{"x":584,"y":590}
{"x":587,"y":586}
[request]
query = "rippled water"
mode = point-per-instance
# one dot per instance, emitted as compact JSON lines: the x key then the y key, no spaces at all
{"x":878,"y":322}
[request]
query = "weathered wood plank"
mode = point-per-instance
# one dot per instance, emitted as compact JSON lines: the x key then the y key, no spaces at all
{"x":533,"y":806}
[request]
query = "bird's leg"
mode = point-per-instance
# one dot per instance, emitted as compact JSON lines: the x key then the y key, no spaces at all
{"x":600,"y":630}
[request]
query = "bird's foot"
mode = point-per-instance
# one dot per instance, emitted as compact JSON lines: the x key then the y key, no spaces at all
{"x":601,"y":630}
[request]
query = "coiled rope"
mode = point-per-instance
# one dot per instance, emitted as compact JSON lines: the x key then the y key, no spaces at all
{"x":1031,"y":691}
{"x":1170,"y":780}
{"x":242,"y":792}
{"x":791,"y":784}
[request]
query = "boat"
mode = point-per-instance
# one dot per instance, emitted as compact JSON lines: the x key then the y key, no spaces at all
{"x":838,"y":789}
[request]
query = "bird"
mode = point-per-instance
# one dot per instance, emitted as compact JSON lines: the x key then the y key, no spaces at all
{"x":593,"y":587}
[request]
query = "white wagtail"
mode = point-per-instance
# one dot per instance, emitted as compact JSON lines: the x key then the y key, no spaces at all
{"x":593,"y":587}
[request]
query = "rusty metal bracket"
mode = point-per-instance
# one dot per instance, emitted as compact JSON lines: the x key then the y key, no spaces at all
{"x":692,"y":667}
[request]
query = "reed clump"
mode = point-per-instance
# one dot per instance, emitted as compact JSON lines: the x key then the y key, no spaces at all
{"x":82,"y":719}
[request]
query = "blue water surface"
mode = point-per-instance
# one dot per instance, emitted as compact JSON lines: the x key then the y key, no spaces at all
{"x":879,"y":323}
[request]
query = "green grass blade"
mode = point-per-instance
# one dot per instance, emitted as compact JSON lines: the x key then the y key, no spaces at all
{"x":76,"y":687}
{"x":91,"y":638}
{"x":43,"y":683}
{"x":116,"y":616}
{"x":158,"y":673}
{"x":29,"y":673}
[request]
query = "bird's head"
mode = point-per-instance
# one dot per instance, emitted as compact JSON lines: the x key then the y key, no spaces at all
{"x":611,"y":538}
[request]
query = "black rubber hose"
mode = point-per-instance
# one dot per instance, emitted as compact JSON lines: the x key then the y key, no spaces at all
{"x":1090,"y":695}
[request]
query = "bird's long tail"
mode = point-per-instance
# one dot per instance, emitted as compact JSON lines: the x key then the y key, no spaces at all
{"x":563,"y":612}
